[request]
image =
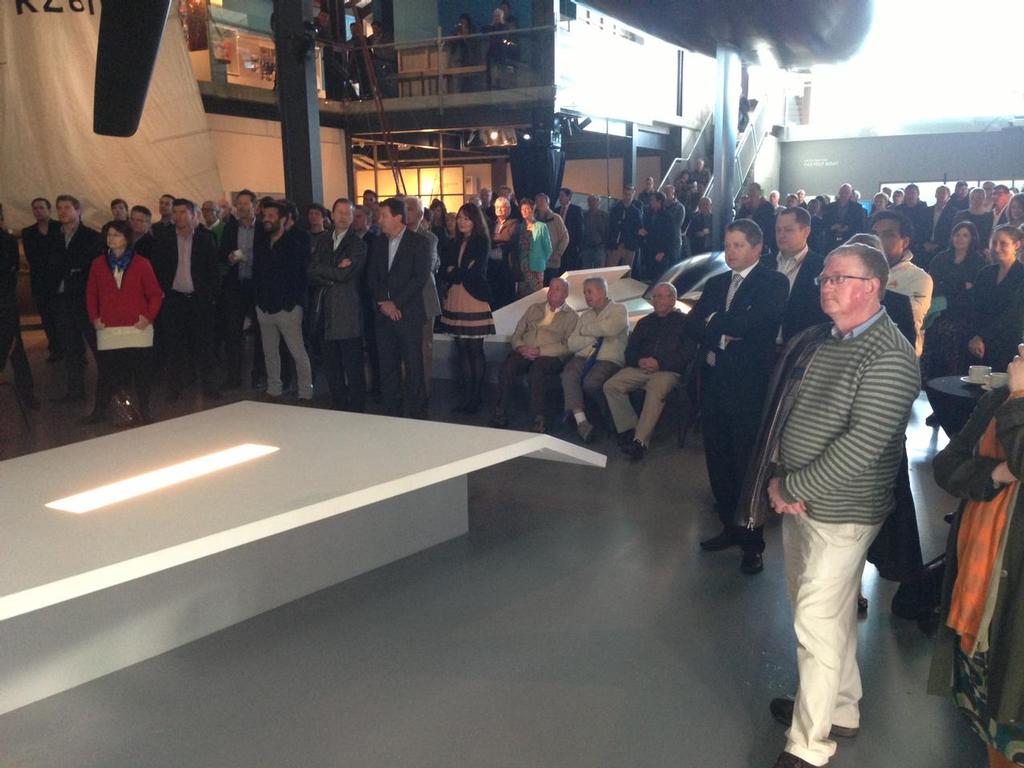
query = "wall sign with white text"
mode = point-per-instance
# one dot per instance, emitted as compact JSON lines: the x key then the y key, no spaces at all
{"x":56,"y":6}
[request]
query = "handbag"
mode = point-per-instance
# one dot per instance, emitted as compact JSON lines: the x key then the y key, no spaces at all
{"x":920,"y":595}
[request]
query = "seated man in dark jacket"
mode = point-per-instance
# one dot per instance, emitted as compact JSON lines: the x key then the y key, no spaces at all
{"x":657,"y":354}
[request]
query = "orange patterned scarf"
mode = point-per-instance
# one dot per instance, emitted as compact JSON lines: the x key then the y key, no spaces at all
{"x":978,"y":544}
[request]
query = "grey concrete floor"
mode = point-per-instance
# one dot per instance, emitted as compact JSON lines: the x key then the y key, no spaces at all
{"x":578,"y":624}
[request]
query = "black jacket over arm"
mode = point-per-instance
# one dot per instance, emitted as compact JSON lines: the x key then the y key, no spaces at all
{"x":403,"y":283}
{"x":752,"y":320}
{"x":664,"y":339}
{"x":471,"y":274}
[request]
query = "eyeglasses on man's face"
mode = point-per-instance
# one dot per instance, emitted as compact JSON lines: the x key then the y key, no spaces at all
{"x":837,"y":280}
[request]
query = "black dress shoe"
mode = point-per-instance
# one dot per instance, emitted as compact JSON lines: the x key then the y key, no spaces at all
{"x":782,"y":711}
{"x":634,"y":450}
{"x":625,"y":438}
{"x":752,"y":563}
{"x":786,"y":760}
{"x":724,"y":540}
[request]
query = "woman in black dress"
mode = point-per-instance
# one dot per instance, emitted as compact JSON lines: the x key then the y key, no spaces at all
{"x":998,"y":324}
{"x":954,"y":272}
{"x":466,"y":314}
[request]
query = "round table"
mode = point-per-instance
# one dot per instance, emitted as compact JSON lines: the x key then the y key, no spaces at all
{"x":952,"y":401}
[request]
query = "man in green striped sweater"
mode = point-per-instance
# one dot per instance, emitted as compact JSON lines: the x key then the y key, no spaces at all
{"x":838,"y":454}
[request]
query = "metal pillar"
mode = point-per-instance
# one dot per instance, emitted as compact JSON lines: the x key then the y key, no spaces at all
{"x":297,"y":102}
{"x":727,"y":107}
{"x":629,"y":156}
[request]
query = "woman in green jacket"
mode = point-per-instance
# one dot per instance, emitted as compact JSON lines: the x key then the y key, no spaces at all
{"x":534,"y":250}
{"x":980,"y":648}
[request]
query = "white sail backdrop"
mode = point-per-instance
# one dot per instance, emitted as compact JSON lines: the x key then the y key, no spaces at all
{"x":47,"y":146}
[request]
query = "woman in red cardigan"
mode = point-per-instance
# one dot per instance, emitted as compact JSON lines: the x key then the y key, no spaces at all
{"x":123,"y":298}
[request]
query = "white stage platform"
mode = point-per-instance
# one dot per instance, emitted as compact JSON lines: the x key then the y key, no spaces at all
{"x":82,"y":595}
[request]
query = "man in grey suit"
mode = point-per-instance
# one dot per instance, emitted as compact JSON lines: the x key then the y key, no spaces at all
{"x":431,"y":303}
{"x":337,"y":266}
{"x":399,"y":268}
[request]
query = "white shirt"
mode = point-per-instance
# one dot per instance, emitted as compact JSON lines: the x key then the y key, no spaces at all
{"x":339,"y":235}
{"x":790,"y":266}
{"x":393,"y":243}
{"x":912,"y":281}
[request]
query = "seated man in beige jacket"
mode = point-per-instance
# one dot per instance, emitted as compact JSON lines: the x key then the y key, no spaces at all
{"x":539,"y":347}
{"x":599,"y":347}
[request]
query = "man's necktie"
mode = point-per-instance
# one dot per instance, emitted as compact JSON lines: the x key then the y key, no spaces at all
{"x":734,"y":286}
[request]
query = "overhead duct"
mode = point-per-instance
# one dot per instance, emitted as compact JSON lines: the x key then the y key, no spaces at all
{"x":799,"y":33}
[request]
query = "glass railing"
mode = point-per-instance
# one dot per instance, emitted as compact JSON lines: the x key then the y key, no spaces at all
{"x":495,"y":60}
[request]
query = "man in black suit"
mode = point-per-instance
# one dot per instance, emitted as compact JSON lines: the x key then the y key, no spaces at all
{"x":362,"y":219}
{"x":736,"y":322}
{"x":185,"y":263}
{"x":11,"y":346}
{"x":801,"y":266}
{"x":34,"y":239}
{"x":337,"y":266}
{"x":70,"y":251}
{"x":920,"y":217}
{"x":762,"y":213}
{"x":572,"y":215}
{"x":238,"y":297}
{"x":166,"y":224}
{"x":843,"y":218}
{"x":399,"y":268}
{"x":942,"y":222}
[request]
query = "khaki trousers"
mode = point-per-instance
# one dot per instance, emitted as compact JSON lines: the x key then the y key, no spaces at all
{"x":620,"y":255}
{"x":657,"y":386}
{"x":824,"y":563}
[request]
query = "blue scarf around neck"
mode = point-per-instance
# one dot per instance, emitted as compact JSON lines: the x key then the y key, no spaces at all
{"x":115,"y":263}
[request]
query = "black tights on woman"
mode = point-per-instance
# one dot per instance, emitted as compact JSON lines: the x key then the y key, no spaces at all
{"x":472,"y":368}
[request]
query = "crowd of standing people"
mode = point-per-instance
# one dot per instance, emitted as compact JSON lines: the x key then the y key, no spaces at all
{"x":806,"y":355}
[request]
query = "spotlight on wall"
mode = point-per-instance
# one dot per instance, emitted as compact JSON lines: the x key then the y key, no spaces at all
{"x":494,"y":135}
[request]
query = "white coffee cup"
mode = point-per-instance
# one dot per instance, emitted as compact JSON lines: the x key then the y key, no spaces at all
{"x":977,"y":373}
{"x":997,"y":379}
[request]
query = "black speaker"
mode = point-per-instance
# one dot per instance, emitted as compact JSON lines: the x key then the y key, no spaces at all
{"x":536,"y":169}
{"x":130,"y":32}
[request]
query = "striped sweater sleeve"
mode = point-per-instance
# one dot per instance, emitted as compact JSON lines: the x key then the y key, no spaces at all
{"x":880,"y":408}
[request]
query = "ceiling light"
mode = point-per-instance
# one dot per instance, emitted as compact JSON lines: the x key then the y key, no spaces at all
{"x":139,"y":485}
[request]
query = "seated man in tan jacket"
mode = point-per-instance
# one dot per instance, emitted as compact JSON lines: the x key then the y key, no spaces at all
{"x":539,"y":346}
{"x":599,"y":350}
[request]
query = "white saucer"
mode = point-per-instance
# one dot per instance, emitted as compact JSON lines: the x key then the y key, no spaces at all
{"x":967,"y":380}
